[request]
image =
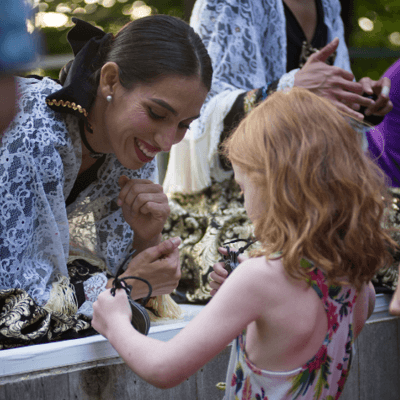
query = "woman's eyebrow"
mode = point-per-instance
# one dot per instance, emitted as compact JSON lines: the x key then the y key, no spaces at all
{"x":162,"y":103}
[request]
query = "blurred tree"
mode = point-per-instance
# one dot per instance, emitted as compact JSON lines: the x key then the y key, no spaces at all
{"x":371,"y":27}
{"x":374,"y":37}
{"x":54,"y":18}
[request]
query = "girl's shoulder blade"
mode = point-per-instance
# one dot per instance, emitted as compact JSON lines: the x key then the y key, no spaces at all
{"x":266,"y":275}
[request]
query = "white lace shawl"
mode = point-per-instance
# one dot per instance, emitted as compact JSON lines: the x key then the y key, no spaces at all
{"x":40,"y":156}
{"x":246,"y":40}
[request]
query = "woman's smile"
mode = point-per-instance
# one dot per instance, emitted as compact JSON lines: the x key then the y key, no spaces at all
{"x":145,"y":151}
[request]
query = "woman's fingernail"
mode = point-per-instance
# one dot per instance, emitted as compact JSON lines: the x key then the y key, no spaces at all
{"x":119,"y":202}
{"x":385,"y":91}
{"x":176,"y":240}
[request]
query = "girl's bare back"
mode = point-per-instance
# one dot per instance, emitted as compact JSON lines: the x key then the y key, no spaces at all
{"x":294,"y":323}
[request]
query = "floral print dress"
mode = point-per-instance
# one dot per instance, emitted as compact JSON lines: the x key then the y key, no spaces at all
{"x":321,"y":378}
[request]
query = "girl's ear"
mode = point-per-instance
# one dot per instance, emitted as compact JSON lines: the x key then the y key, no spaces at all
{"x":109,"y":78}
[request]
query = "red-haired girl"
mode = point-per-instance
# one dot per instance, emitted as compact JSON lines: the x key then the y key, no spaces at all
{"x":295,"y":307}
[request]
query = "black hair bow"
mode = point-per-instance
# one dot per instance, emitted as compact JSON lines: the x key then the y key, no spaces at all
{"x":79,"y":90}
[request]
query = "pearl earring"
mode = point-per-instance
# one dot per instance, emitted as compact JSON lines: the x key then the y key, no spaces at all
{"x":109,"y":98}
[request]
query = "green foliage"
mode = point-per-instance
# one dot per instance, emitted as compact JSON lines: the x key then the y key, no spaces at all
{"x":109,"y":15}
{"x":373,"y":67}
{"x":384,"y":17}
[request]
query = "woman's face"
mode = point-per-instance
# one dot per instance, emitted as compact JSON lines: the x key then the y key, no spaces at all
{"x":149,"y":118}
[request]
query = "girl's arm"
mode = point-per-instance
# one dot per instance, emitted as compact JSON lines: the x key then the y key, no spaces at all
{"x":371,"y":299}
{"x":395,"y":302}
{"x":364,"y":307}
{"x":166,"y":364}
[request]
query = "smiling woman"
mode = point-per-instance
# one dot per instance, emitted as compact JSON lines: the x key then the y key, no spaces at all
{"x":79,"y":188}
{"x":145,"y":120}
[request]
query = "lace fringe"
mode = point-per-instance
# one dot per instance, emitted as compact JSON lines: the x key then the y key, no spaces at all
{"x":165,"y":307}
{"x":62,"y":297}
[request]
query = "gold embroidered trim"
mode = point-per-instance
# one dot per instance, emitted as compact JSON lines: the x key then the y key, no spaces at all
{"x":68,"y":104}
{"x":250,"y":101}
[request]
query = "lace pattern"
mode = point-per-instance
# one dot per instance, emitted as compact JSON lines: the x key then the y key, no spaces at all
{"x":40,"y":157}
{"x":92,"y":287}
{"x":246,"y":40}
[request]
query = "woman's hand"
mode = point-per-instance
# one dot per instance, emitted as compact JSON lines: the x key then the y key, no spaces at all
{"x":381,"y":88}
{"x":109,"y":312}
{"x":159,"y":265}
{"x":144,"y":206}
{"x":219,"y":275}
{"x":333,"y":83}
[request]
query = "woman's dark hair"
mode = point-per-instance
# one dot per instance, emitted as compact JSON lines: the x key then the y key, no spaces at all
{"x":158,"y":45}
{"x":155,"y":46}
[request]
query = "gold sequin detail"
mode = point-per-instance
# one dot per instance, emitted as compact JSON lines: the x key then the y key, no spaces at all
{"x":62,"y":103}
{"x":250,"y":100}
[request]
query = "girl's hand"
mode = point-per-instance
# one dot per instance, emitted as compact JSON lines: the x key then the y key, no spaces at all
{"x":159,"y":265}
{"x":110,"y":311}
{"x":144,"y":206}
{"x":219,"y":275}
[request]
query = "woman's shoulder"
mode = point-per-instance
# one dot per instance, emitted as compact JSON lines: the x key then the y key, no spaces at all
{"x":32,"y":93}
{"x":36,"y":86}
{"x":32,"y":111}
{"x":36,"y":129}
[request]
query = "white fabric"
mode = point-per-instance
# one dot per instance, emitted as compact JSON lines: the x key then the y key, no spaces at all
{"x":246,"y":40}
{"x":40,"y":156}
{"x":92,"y":288}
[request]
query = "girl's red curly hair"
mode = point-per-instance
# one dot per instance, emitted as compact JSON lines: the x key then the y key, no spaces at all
{"x":324,"y":197}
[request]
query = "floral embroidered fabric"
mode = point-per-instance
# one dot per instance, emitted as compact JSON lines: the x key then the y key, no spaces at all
{"x":205,"y":221}
{"x":322,"y":377}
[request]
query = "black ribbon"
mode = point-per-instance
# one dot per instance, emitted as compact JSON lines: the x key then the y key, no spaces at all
{"x":120,"y":283}
{"x":140,"y":317}
{"x":231,"y":259}
{"x":79,"y":89}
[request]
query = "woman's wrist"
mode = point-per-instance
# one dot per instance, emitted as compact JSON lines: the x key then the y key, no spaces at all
{"x":139,"y":288}
{"x":140,"y":244}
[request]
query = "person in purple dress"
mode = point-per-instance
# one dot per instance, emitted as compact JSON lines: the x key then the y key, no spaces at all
{"x":384,"y":145}
{"x":383,"y":140}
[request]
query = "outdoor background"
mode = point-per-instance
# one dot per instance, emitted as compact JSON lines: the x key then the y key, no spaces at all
{"x":372,"y":27}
